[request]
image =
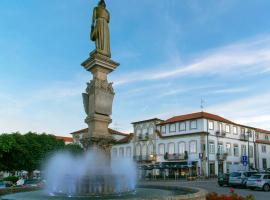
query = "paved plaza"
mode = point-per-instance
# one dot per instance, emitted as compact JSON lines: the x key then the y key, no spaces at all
{"x":212,"y":186}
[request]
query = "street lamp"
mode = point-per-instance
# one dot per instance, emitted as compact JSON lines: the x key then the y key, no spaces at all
{"x":248,"y":134}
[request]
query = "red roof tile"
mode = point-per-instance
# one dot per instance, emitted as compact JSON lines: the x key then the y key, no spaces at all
{"x":65,"y":139}
{"x":263,"y":141}
{"x":125,"y":139}
{"x":262,"y":131}
{"x":197,"y":115}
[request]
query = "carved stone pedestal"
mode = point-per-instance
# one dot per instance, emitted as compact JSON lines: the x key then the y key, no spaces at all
{"x":98,"y":100}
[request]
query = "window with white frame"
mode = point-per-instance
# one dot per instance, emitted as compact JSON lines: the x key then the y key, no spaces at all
{"x":151,"y":130}
{"x":138,"y":150}
{"x":257,"y":136}
{"x":193,"y":147}
{"x":145,"y":131}
{"x":121,"y":151}
{"x":243,"y":150}
{"x":220,"y":127}
{"x":128,"y":152}
{"x":138,"y":131}
{"x":212,"y":147}
{"x":220,"y":148}
{"x":264,"y":148}
{"x":181,"y":147}
{"x":161,"y":149}
{"x":150,"y":149}
{"x":228,"y":148}
{"x":182,"y":126}
{"x":172,"y":128}
{"x":242,"y":131}
{"x":193,"y":124}
{"x":211,"y":125}
{"x":163,"y":129}
{"x":266,"y":137}
{"x":144,"y":150}
{"x":236,"y":150}
{"x":235,"y":130}
{"x":171,"y":148}
{"x":227,"y":128}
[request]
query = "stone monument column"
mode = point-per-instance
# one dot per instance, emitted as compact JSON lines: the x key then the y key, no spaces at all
{"x":98,"y":98}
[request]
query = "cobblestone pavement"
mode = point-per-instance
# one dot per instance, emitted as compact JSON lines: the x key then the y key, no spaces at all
{"x":212,"y":186}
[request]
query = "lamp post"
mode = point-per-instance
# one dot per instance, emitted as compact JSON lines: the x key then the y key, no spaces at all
{"x":248,"y":133}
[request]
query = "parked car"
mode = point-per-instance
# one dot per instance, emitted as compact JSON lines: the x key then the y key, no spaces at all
{"x":2,"y":185}
{"x":259,"y":181}
{"x":240,"y":178}
{"x":32,"y":183}
{"x":223,"y":179}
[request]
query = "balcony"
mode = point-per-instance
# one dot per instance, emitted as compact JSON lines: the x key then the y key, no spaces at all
{"x":222,"y":156}
{"x":242,"y":136}
{"x":145,"y":158}
{"x":143,"y":137}
{"x":221,"y":134}
{"x":176,"y":156}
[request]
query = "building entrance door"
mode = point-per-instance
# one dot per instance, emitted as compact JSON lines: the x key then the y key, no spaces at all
{"x":220,"y":167}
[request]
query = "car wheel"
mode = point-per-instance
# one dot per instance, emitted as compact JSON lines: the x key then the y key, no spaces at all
{"x":252,"y":188}
{"x":266,"y":187}
{"x":220,"y":184}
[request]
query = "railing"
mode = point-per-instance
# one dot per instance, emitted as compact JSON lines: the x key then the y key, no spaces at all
{"x":222,"y":156}
{"x":176,"y":156}
{"x":221,"y":134}
{"x":242,"y":136}
{"x":143,"y":137}
{"x":144,"y":158}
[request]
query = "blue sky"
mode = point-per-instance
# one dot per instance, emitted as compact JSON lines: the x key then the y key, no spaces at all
{"x":172,"y":54}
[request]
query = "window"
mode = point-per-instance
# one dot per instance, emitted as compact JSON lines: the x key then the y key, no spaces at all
{"x":264,"y":163}
{"x":211,"y":125}
{"x":243,"y":150}
{"x":171,"y":148}
{"x":181,"y":147}
{"x":227,"y":129}
{"x":250,"y":151}
{"x":220,"y":148}
{"x":172,"y":127}
{"x":220,"y":127}
{"x":228,"y":149}
{"x":266,"y":137}
{"x":145,"y":131}
{"x":138,"y":150}
{"x":264,"y":148}
{"x":144,"y":150}
{"x":193,"y":124}
{"x":212,"y":147}
{"x":150,"y":149}
{"x":257,"y":136}
{"x":242,"y":131}
{"x":250,"y":133}
{"x":161,"y":149}
{"x":163,"y":129}
{"x":121,"y":152}
{"x":235,"y":150}
{"x":151,"y":130}
{"x":235,"y":130}
{"x":114,"y":152}
{"x":182,"y":126}
{"x":128,"y":152}
{"x":138,"y":131}
{"x":193,"y":147}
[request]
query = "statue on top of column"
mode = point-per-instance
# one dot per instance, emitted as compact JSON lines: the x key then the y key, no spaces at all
{"x":100,"y":29}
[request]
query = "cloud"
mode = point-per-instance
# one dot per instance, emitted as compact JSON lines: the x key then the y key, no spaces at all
{"x":251,"y":110}
{"x":230,"y":90}
{"x":249,"y":56}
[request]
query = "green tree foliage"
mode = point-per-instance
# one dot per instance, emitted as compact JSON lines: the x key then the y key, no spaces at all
{"x":27,"y":152}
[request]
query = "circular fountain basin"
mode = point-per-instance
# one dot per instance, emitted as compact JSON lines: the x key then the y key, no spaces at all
{"x":142,"y":192}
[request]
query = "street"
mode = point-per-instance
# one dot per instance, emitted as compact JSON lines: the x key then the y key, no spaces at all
{"x":212,"y":186}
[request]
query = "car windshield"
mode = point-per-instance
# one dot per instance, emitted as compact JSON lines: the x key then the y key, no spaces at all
{"x":235,"y":174}
{"x":256,"y":176}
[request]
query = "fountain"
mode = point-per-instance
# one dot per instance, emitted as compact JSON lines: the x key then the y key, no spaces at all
{"x":94,"y":175}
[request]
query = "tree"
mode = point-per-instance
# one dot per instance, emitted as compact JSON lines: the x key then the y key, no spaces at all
{"x":74,"y":149}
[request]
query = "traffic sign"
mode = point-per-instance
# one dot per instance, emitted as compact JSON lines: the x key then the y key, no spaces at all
{"x":244,"y":159}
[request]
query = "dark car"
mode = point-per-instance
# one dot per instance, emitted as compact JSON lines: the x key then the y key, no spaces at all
{"x":223,"y":179}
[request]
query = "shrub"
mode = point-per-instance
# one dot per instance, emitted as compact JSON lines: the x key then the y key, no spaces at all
{"x":12,"y":179}
{"x":232,"y":196}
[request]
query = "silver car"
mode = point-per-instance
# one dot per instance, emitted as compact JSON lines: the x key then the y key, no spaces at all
{"x":240,"y":178}
{"x":259,"y":181}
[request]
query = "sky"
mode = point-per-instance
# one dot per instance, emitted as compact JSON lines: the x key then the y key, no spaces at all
{"x":173,"y":53}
